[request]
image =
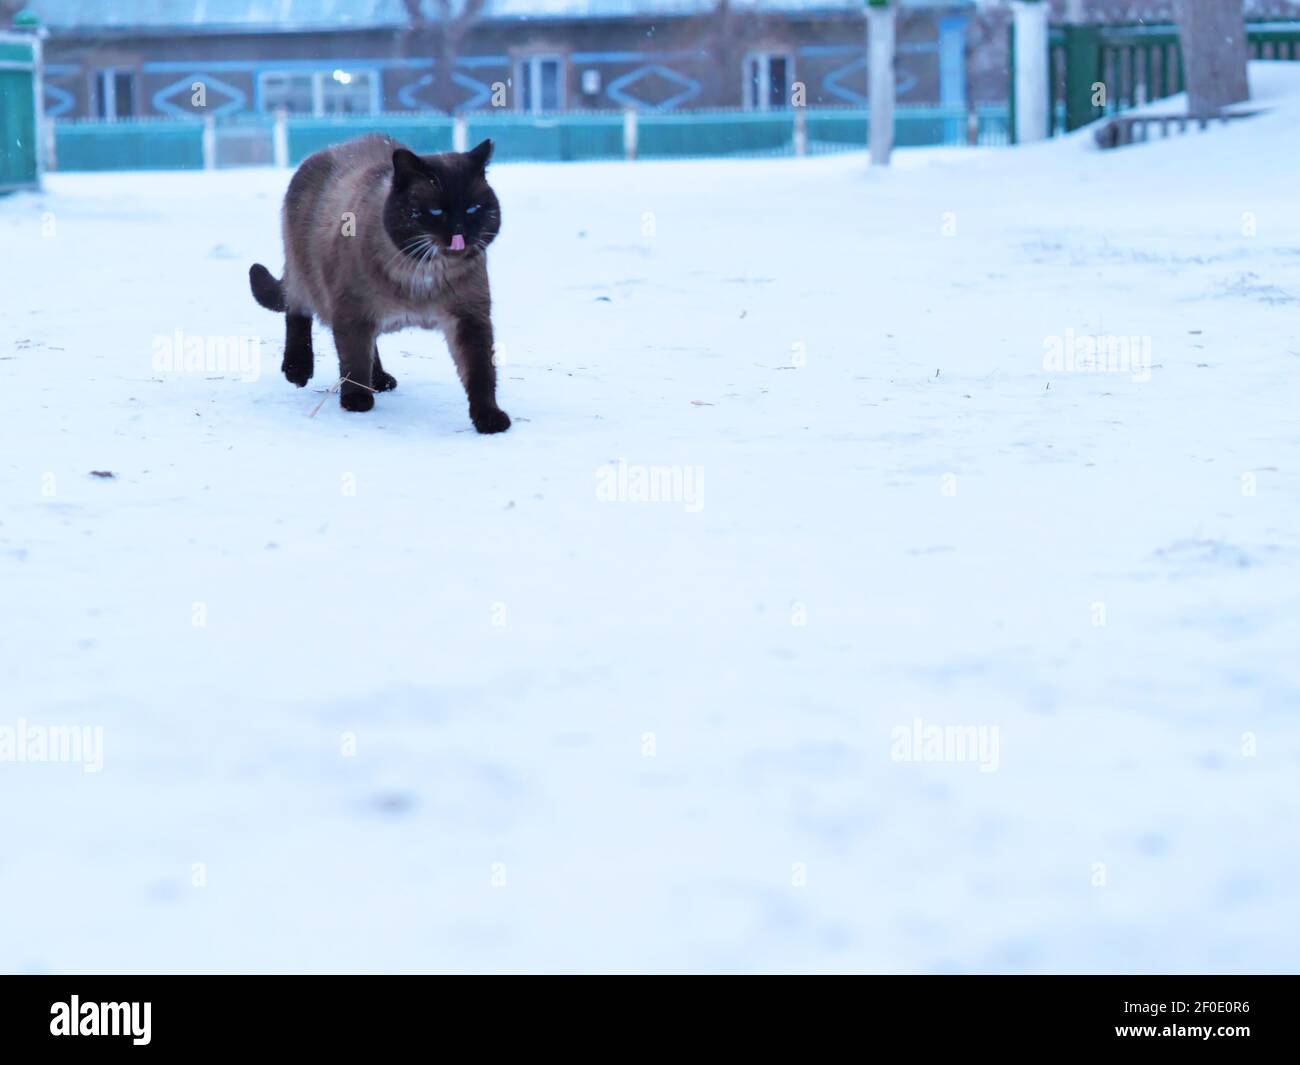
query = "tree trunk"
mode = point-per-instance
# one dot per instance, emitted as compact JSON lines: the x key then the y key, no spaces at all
{"x":882,"y":42}
{"x":1213,"y":38}
{"x":453,"y":23}
{"x":725,"y":33}
{"x":444,"y":91}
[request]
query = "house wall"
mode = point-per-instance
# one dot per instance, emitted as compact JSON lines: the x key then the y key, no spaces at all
{"x":659,"y":64}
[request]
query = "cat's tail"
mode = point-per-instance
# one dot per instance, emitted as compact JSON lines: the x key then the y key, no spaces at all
{"x":267,"y":290}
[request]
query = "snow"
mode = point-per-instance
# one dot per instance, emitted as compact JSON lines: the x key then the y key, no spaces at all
{"x":651,"y":764}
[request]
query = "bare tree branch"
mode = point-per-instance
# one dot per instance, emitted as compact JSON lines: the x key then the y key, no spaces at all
{"x":9,"y":9}
{"x":450,"y":22}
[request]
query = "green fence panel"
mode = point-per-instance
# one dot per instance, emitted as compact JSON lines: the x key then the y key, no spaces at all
{"x":550,"y":138}
{"x":1084,"y":67}
{"x":15,"y":50}
{"x":1136,"y":64}
{"x":129,"y":145}
{"x":1274,"y":40}
{"x":703,"y":134}
{"x":424,"y":134}
{"x":993,"y":125}
{"x":837,"y":130}
{"x":249,"y":140}
{"x":918,"y":127}
{"x":848,"y":129}
{"x":19,"y":147}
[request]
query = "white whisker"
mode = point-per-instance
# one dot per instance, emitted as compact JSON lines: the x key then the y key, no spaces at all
{"x":429,"y":252}
{"x":406,"y":250}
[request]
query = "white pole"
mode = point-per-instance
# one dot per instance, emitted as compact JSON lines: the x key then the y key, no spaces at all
{"x":1031,"y":70}
{"x":209,"y":143}
{"x":800,"y":131}
{"x":629,"y":134}
{"x":459,"y":133}
{"x":880,"y":69}
{"x":44,"y":126}
{"x":280,"y":138}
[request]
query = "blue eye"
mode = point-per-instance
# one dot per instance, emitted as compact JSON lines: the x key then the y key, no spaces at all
{"x":435,"y":211}
{"x":474,"y":208}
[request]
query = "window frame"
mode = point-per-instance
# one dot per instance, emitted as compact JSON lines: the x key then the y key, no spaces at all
{"x":104,"y":83}
{"x":763,"y":90}
{"x":319,"y":76}
{"x":528,"y":72}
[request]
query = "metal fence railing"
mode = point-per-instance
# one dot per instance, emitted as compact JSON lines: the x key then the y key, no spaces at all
{"x":260,"y":140}
{"x":140,"y":144}
{"x":421,"y":133}
{"x":1134,"y":64}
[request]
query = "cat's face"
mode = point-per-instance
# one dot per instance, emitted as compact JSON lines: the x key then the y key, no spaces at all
{"x":442,"y":204}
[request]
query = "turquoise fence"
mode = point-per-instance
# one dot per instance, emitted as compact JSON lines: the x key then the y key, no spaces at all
{"x":423,"y":133}
{"x":914,"y":127}
{"x":251,"y":140}
{"x":145,"y":144}
{"x":553,"y":138}
{"x":686,"y":134}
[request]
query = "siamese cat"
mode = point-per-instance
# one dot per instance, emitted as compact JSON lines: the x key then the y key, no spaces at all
{"x":377,"y":238}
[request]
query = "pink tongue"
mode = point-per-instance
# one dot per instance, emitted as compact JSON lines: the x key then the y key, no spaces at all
{"x":457,"y":243}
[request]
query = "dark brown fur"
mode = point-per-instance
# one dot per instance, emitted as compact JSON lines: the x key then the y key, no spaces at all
{"x":369,"y":233}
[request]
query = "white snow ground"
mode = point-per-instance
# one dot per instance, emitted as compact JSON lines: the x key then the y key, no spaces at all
{"x":505,"y":808}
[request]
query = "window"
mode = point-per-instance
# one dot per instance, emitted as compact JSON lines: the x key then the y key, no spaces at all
{"x":541,"y":83}
{"x":346,"y":93}
{"x":289,"y":92}
{"x":320,"y":92}
{"x":769,"y":77}
{"x":114,"y":94}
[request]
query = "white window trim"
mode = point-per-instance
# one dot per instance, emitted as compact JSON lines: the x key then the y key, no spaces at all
{"x":763,"y":103}
{"x":318,"y":79}
{"x":106,"y":91}
{"x":527,"y":67}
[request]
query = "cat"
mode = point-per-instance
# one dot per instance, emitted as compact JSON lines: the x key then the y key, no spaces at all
{"x":377,"y":238}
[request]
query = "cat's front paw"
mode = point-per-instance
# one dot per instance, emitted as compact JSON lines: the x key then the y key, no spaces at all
{"x":490,"y":419}
{"x":360,"y":400}
{"x":297,"y":370}
{"x":384,"y":381}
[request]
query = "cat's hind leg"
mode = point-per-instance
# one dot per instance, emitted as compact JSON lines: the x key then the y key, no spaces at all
{"x":299,"y":360}
{"x":380,"y":379}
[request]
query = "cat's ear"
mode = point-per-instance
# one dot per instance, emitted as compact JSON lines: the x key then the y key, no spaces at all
{"x":480,"y":154}
{"x":406,"y":167}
